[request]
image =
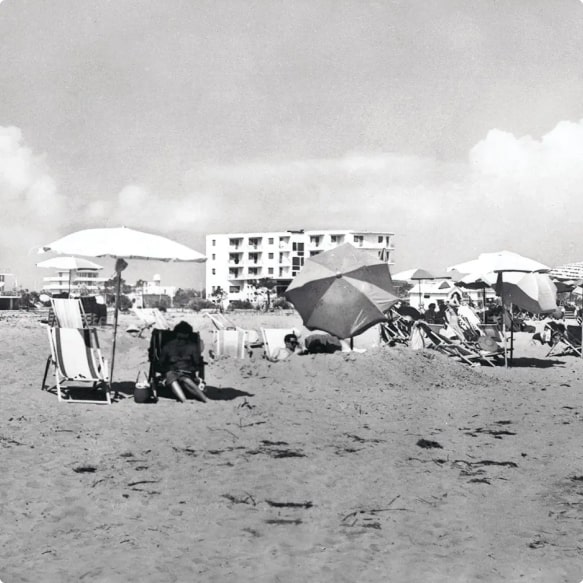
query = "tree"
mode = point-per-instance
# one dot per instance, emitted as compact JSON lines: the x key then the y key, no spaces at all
{"x":183,"y":297}
{"x":265,"y":285}
{"x":218,"y":296}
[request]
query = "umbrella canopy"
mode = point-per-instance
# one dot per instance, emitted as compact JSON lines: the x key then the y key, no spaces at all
{"x":343,"y":291}
{"x":122,"y":242}
{"x":533,"y":292}
{"x":499,"y":261}
{"x":68,"y":264}
{"x":477,"y":281}
{"x":413,"y":275}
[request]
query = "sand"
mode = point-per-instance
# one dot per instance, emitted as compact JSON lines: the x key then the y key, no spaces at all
{"x":305,"y":470}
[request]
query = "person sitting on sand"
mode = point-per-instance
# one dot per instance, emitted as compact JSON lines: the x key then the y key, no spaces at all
{"x":180,"y":359}
{"x":292,"y":346}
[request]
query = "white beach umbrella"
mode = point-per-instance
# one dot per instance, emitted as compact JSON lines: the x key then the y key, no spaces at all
{"x":533,"y":292}
{"x":497,"y":262}
{"x":122,"y":243}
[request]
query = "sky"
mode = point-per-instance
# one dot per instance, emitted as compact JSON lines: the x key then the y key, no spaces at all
{"x":456,"y":125}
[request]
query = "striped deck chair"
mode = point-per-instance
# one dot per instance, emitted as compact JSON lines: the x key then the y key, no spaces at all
{"x":77,"y":361}
{"x":67,"y":313}
{"x":230,"y":343}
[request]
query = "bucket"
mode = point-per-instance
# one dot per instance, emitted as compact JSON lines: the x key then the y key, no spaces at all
{"x":142,"y":390}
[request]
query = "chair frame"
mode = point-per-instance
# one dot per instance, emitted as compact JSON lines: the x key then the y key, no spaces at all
{"x":98,"y":363}
{"x":156,"y":372}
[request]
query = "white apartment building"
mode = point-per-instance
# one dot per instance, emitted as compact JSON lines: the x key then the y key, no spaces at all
{"x":75,"y":281}
{"x":236,"y":261}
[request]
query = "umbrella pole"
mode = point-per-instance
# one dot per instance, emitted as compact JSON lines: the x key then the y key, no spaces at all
{"x":69,"y":283}
{"x":504,"y":336}
{"x":511,"y":334}
{"x":484,"y":305}
{"x":117,"y":294}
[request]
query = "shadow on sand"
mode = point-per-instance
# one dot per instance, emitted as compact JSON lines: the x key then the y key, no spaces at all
{"x":524,"y":362}
{"x":125,"y":390}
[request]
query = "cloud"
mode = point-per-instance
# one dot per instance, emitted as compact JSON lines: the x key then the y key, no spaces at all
{"x":31,"y":204}
{"x":521,"y":193}
{"x":511,"y":192}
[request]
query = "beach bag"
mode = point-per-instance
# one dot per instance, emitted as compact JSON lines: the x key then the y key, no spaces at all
{"x":142,"y":389}
{"x":322,"y":344}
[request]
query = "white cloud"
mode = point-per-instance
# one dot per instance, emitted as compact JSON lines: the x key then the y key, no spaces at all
{"x":31,"y":205}
{"x":520,"y":193}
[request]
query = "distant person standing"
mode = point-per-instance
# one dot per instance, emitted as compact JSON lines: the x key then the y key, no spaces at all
{"x":430,"y":314}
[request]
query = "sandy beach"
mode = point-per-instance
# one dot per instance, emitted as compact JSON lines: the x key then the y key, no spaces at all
{"x":390,"y":465}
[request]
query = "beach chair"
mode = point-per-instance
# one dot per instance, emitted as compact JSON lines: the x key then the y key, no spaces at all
{"x":468,"y":353}
{"x":77,"y":361}
{"x":396,"y":329}
{"x":156,"y":373}
{"x":150,"y":318}
{"x":67,"y":313}
{"x":221,"y":322}
{"x":230,"y":343}
{"x":564,"y":339}
{"x":273,"y":340}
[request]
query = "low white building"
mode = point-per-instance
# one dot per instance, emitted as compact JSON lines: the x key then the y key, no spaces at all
{"x":435,"y":291}
{"x":76,"y":281}
{"x":236,"y":262}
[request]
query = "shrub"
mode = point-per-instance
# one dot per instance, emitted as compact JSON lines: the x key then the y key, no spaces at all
{"x":198,"y":304}
{"x":281,"y":303}
{"x":241,"y":305}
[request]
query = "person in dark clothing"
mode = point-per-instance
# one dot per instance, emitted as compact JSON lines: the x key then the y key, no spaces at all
{"x":180,"y":359}
{"x":430,"y":314}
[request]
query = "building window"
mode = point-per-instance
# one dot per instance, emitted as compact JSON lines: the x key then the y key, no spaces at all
{"x":214,"y":242}
{"x":270,"y":240}
{"x":336,"y":238}
{"x":234,"y":289}
{"x":270,"y":270}
{"x":359,"y":239}
{"x":270,"y":255}
{"x":214,"y":271}
{"x":214,"y":256}
{"x":315,"y":240}
{"x":380,"y":239}
{"x":312,"y":253}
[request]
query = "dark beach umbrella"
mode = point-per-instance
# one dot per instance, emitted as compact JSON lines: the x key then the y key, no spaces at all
{"x":343,"y":291}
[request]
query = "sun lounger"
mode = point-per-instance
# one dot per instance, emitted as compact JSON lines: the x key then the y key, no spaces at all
{"x":564,"y":339}
{"x":77,"y":360}
{"x":396,"y":330}
{"x":230,"y":343}
{"x":151,"y":318}
{"x":468,"y":353}
{"x":221,"y":322}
